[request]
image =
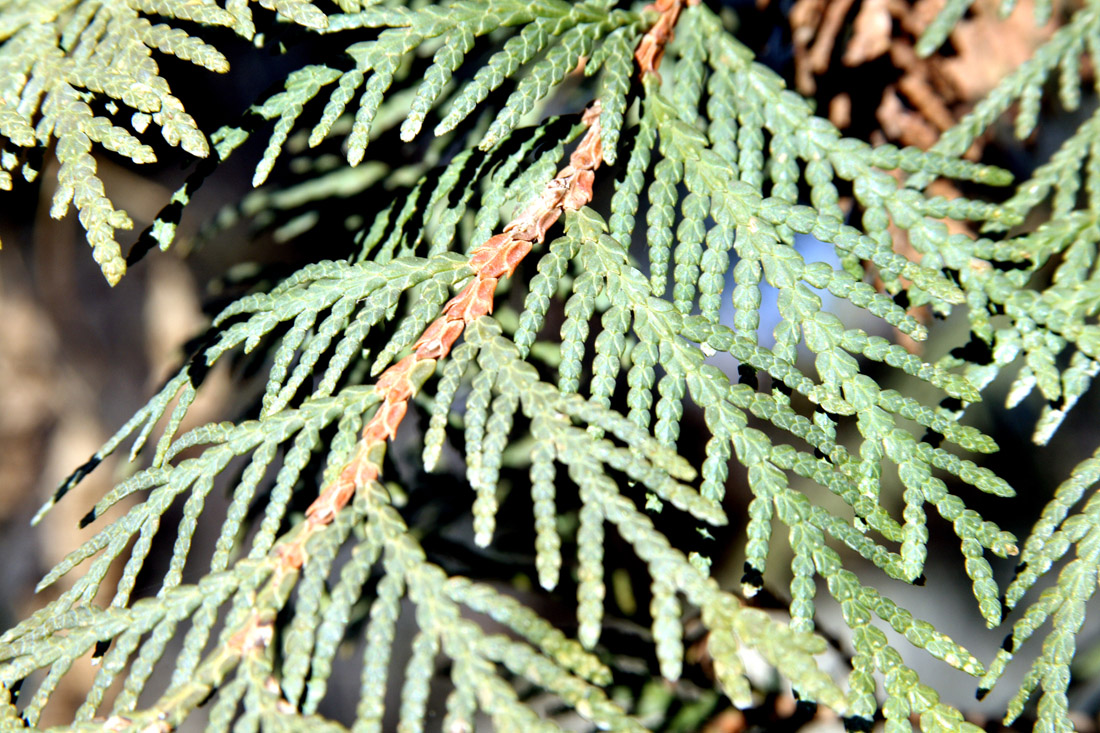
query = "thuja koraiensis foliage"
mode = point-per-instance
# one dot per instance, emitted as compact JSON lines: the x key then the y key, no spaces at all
{"x":549,"y":300}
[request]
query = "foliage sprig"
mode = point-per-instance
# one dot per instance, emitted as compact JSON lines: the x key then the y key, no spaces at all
{"x":718,"y":159}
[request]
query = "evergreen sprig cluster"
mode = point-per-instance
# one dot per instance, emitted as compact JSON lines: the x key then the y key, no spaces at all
{"x":580,"y":373}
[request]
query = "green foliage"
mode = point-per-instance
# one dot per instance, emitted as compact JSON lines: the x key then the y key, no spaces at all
{"x":63,"y":62}
{"x":599,"y":414}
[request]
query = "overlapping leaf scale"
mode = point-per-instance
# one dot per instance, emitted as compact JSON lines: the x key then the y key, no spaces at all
{"x":194,"y":476}
{"x":341,"y":287}
{"x":1046,"y":316}
{"x":826,"y":337}
{"x":563,"y":670}
{"x":614,"y":58}
{"x":625,"y":201}
{"x":762,"y":105}
{"x":544,"y":403}
{"x":658,"y":468}
{"x":58,"y":59}
{"x":858,"y":602}
{"x":72,"y":634}
{"x":873,"y":652}
{"x":553,"y":663}
{"x":1064,"y":604}
{"x":711,"y":390}
{"x":1064,"y":47}
{"x":561,"y":32}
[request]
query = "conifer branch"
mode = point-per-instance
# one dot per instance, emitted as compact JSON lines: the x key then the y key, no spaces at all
{"x":498,"y":257}
{"x":723,"y":155}
{"x":495,"y":259}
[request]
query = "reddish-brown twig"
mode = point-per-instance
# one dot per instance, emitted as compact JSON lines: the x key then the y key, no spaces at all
{"x":652,"y":46}
{"x":495,"y":259}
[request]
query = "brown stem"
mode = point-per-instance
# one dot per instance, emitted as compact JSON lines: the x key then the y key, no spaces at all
{"x":497,"y":258}
{"x":652,"y":46}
